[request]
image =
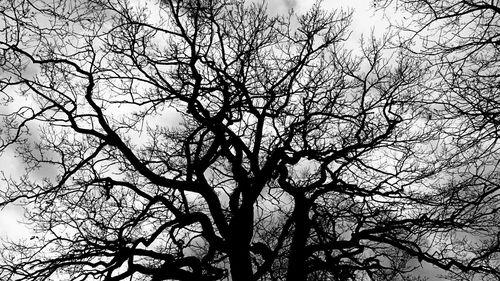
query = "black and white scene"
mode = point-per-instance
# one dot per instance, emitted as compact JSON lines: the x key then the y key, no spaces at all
{"x":263,"y":140}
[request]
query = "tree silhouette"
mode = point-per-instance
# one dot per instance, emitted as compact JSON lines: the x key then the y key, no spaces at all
{"x":458,"y":41}
{"x":209,"y":140}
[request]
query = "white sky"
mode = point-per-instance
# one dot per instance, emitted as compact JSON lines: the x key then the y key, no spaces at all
{"x":363,"y":22}
{"x":364,"y":18}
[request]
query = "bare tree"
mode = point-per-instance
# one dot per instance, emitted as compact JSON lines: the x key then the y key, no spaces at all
{"x":208,"y":140}
{"x":458,"y":41}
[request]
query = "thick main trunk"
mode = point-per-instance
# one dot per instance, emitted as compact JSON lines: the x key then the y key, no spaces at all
{"x":241,"y":264}
{"x":297,"y":257}
{"x":241,"y":235}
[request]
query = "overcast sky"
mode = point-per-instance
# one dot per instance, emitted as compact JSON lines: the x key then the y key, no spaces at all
{"x":364,"y":17}
{"x":364,"y":20}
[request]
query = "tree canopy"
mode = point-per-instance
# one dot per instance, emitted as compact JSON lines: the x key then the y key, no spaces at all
{"x":212,"y":140}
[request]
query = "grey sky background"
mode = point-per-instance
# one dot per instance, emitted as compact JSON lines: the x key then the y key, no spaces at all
{"x":364,"y":21}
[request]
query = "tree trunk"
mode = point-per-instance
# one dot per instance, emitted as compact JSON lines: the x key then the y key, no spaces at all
{"x":297,"y":257}
{"x":241,"y":235}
